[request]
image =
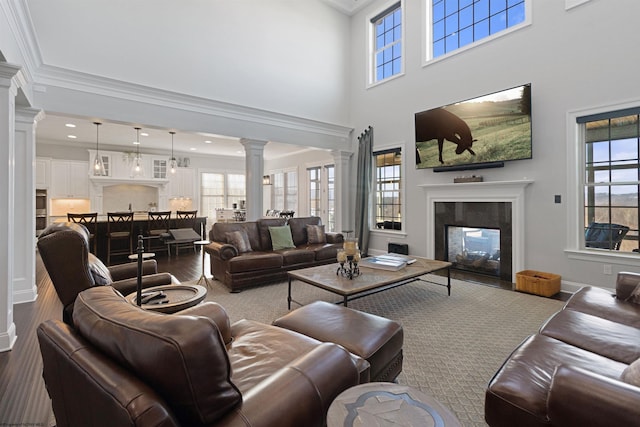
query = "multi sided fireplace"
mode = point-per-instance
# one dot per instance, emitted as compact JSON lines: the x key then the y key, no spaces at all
{"x":474,"y":205}
{"x":473,"y":249}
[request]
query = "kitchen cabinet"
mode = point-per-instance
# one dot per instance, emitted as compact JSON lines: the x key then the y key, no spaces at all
{"x":69,"y":179}
{"x":182,"y":183}
{"x":42,"y":173}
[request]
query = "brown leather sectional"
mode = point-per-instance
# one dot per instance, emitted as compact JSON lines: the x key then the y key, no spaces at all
{"x":569,"y":373}
{"x":239,"y":270}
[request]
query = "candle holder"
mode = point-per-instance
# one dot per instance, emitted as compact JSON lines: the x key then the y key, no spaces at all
{"x":348,"y":264}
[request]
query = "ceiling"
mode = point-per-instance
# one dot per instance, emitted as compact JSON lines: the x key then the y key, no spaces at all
{"x":121,"y":136}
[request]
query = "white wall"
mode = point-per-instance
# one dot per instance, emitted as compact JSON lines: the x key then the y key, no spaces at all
{"x":574,"y":59}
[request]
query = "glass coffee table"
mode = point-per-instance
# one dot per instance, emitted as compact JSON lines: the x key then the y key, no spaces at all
{"x":370,"y":280}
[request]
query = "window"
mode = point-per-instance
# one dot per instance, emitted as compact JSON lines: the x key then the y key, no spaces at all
{"x":322,"y":200}
{"x":611,"y":179}
{"x":458,"y":23}
{"x":219,"y":190}
{"x":388,"y":189}
{"x":284,"y":196}
{"x":387,"y":42}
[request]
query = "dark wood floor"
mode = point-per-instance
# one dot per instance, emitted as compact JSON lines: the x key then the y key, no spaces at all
{"x":23,"y":398}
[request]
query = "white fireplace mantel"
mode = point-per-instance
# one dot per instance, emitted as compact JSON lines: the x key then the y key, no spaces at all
{"x":497,"y":191}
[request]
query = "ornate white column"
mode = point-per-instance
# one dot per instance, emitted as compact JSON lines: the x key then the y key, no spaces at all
{"x":343,"y":180}
{"x":8,"y":92}
{"x":253,"y":152}
{"x":24,"y":278}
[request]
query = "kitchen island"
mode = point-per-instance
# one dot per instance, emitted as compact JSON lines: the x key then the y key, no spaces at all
{"x":139,"y":227}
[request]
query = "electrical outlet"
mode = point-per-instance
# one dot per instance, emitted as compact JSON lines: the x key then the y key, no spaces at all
{"x":607,"y":269}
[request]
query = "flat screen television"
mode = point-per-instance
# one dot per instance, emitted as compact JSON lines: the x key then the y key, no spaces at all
{"x":477,"y":133}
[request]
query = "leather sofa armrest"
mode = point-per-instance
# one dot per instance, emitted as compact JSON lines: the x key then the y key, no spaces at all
{"x":626,"y":283}
{"x":216,"y":313}
{"x":315,"y":379}
{"x":334,"y":237}
{"x":130,"y":269}
{"x":127,"y":286}
{"x":223,"y":251}
{"x":579,"y":397}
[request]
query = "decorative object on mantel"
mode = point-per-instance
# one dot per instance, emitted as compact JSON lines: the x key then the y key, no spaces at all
{"x":471,"y":178}
{"x":98,"y":164}
{"x":173,"y":163}
{"x":137,"y":169}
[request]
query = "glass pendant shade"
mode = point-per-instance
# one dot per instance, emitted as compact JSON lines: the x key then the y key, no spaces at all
{"x":137,"y":169}
{"x":98,"y":164}
{"x":173,"y":164}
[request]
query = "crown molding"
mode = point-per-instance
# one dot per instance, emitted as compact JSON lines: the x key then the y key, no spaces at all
{"x":19,"y":20}
{"x":48,"y":75}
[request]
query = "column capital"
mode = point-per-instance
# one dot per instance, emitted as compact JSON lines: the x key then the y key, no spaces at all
{"x":28,"y":115}
{"x":252,"y":144}
{"x":341,"y":155}
{"x":8,"y":73}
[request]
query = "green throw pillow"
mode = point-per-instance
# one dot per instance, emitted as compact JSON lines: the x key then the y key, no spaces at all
{"x":281,"y":237}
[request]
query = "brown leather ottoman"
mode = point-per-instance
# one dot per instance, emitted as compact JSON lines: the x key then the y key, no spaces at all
{"x":374,"y":338}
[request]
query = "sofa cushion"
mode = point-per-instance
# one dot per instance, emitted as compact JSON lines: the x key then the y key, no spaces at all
{"x":635,"y":295}
{"x":631,"y":374}
{"x":220,"y":229}
{"x":299,"y":228}
{"x":182,"y":357}
{"x":254,"y":261}
{"x":281,"y":237}
{"x":602,"y":303}
{"x":263,"y":225}
{"x":326,"y":251}
{"x":240,"y":240}
{"x":315,"y":234}
{"x":297,"y":256}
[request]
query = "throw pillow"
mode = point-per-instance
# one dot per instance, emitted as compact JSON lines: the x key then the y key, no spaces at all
{"x":315,"y":234}
{"x":183,"y":358}
{"x":239,"y":239}
{"x":281,"y":237}
{"x":99,"y":272}
{"x":631,"y":374}
{"x":635,"y":295}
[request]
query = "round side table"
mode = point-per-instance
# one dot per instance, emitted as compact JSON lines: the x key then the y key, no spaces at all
{"x":203,"y":278}
{"x":176,"y":297}
{"x":383,"y":404}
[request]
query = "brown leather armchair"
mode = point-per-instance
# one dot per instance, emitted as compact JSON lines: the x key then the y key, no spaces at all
{"x":124,"y":366}
{"x":64,"y":249}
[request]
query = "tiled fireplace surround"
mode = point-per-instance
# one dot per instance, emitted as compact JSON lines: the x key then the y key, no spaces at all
{"x":474,"y":210}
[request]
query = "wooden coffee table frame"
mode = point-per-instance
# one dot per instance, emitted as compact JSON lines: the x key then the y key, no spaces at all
{"x":370,"y":281}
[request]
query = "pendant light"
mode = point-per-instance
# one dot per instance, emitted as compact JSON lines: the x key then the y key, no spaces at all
{"x":98,"y":164}
{"x":137,"y":169}
{"x":173,"y":164}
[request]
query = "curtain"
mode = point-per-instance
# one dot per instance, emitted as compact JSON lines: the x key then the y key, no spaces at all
{"x":363,"y":190}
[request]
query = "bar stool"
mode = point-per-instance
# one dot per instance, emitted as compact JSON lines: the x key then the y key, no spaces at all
{"x":186,"y":219}
{"x":158,"y":224}
{"x":119,"y":228}
{"x":89,"y":220}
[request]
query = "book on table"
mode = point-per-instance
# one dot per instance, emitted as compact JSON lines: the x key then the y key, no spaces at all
{"x":387,"y":262}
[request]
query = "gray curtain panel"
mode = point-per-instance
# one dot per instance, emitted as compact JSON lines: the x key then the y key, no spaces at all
{"x":363,"y":190}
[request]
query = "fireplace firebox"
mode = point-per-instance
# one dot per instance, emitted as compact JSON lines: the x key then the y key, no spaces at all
{"x":473,"y":249}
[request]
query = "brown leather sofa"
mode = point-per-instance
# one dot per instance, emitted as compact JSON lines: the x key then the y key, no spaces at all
{"x":571,"y":372}
{"x":239,"y":270}
{"x":64,"y":249}
{"x":123,"y":366}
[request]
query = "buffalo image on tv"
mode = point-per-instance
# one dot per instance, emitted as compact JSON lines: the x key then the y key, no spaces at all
{"x":475,"y":133}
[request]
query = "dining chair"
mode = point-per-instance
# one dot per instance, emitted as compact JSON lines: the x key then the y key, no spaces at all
{"x":90,"y":221}
{"x":119,"y":229}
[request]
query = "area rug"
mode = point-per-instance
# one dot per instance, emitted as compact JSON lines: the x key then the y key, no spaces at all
{"x":453,"y":344}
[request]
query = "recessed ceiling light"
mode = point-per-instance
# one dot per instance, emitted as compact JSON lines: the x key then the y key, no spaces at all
{"x":70,"y":125}
{"x":193,"y":148}
{"x":207,"y":142}
{"x":71,"y":136}
{"x":144,"y":134}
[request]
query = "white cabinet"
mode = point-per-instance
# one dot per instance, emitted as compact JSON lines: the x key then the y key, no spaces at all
{"x":159,"y":166}
{"x":182,"y":183}
{"x":69,"y":179}
{"x":42,"y":173}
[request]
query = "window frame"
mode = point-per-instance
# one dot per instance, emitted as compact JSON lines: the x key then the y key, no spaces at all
{"x":427,"y":34}
{"x":374,"y":194}
{"x":576,"y":173}
{"x":286,"y":189}
{"x":371,"y":37}
{"x":226,"y":196}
